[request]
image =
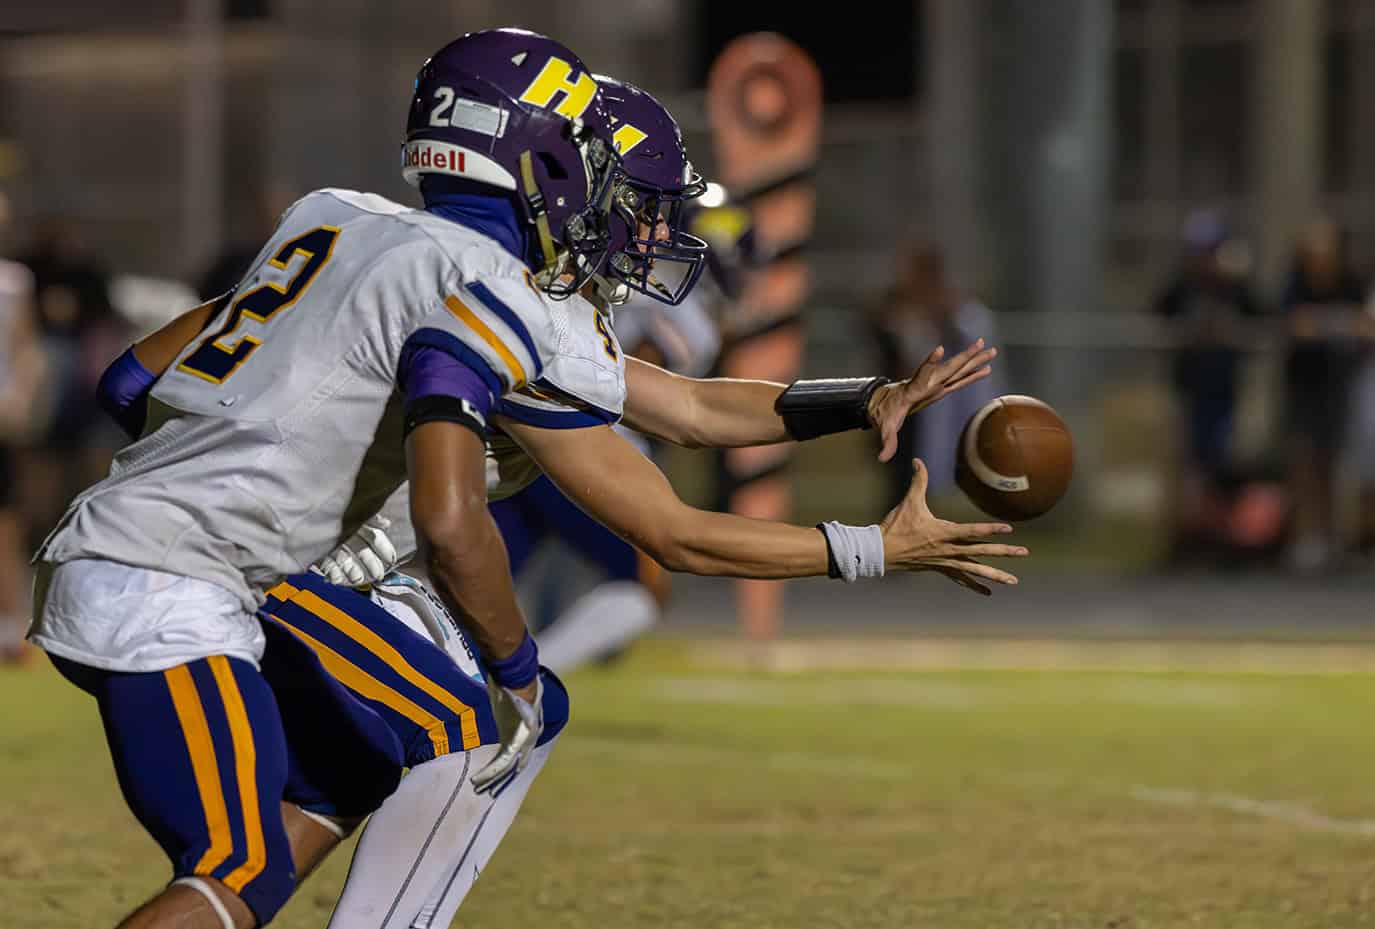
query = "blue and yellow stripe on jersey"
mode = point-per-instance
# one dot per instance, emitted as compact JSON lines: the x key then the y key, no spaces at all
{"x":507,"y":315}
{"x":500,"y":333}
{"x":432,"y":706}
{"x":518,"y":375}
{"x":548,"y":406}
{"x":448,"y":342}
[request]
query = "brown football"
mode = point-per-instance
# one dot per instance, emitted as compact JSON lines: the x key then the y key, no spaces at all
{"x":1015,"y":458}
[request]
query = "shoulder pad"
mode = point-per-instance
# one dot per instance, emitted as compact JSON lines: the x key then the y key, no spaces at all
{"x":583,"y":384}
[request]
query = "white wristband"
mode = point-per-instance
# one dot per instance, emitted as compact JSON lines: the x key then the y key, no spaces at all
{"x":857,"y":550}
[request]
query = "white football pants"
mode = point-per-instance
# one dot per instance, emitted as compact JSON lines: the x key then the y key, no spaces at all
{"x":422,"y":851}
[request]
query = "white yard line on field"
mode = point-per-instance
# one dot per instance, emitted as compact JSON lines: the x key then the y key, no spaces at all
{"x":801,"y":655}
{"x":1289,"y":813}
{"x":659,"y":752}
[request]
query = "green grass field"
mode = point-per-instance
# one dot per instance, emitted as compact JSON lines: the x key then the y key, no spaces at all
{"x":690,"y":792}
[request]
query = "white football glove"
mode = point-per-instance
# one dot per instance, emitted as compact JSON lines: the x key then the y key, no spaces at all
{"x":364,"y":559}
{"x":520,"y":725}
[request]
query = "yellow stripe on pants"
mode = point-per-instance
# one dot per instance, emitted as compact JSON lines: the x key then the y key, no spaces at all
{"x":204,"y":766}
{"x":245,"y":770}
{"x":355,"y":678}
{"x":360,"y":633}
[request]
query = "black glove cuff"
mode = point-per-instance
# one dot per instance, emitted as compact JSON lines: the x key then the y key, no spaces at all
{"x":820,"y":407}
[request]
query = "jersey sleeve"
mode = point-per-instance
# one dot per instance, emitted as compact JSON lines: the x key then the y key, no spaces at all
{"x":500,"y":328}
{"x":547,"y":407}
{"x":582,"y":385}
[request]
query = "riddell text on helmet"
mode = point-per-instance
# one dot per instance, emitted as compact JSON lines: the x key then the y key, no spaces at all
{"x":418,"y":156}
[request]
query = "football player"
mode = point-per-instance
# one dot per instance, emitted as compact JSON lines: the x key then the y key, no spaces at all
{"x":668,"y":324}
{"x":366,"y":346}
{"x":561,"y":425}
{"x":371,"y":683}
{"x":209,"y":792}
{"x":405,"y":875}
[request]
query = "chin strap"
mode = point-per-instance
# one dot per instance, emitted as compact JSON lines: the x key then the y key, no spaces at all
{"x":604,"y":293}
{"x":535,"y":200}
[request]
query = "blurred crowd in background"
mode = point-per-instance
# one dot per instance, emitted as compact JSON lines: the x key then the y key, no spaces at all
{"x":1307,"y":502}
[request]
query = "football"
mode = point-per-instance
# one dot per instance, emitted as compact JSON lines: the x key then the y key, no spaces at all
{"x":1015,"y":458}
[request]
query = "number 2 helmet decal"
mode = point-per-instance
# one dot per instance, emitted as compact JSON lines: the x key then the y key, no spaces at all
{"x":517,"y":111}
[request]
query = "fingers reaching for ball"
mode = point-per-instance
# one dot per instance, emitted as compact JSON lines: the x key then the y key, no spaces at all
{"x":917,"y":540}
{"x":935,"y":378}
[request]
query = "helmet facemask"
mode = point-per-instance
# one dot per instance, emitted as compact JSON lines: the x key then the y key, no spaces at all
{"x":580,"y":249}
{"x":659,"y":258}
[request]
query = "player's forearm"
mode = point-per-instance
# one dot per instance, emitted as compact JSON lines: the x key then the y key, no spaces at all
{"x":473,"y":577}
{"x":641,"y":506}
{"x":725,"y":545}
{"x":736,"y":413}
{"x":458,"y":542}
{"x":157,"y":351}
{"x":702,"y":413}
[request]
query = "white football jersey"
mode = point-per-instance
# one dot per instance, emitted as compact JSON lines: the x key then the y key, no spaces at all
{"x":279,"y":430}
{"x":582,"y":385}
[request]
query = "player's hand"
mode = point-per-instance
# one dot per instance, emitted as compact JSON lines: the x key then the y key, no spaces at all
{"x":916,"y":540}
{"x":891,"y":404}
{"x":366,"y":558}
{"x":520,"y":720}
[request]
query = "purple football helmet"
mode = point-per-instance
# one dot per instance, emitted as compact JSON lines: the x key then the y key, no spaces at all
{"x":520,"y":112}
{"x":654,"y":182}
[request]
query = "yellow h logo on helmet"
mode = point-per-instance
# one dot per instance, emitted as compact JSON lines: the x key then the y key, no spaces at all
{"x":626,"y":137}
{"x":553,"y":78}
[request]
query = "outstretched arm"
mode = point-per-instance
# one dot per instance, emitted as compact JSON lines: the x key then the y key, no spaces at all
{"x":608,"y":478}
{"x":157,"y":351}
{"x":730,"y":413}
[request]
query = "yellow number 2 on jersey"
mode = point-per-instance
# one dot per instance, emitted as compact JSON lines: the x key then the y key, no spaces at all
{"x":217,"y":357}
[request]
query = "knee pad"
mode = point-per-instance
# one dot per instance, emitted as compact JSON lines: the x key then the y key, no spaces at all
{"x":339,"y":826}
{"x":265,"y":894}
{"x":201,"y":886}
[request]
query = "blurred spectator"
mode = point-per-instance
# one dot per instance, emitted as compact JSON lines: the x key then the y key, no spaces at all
{"x":1209,"y":307}
{"x":81,"y":334}
{"x":922,"y":310}
{"x":21,"y":374}
{"x":1362,"y":441}
{"x":1328,"y":334}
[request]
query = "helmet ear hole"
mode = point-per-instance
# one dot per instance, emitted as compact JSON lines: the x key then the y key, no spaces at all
{"x":552,"y":167}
